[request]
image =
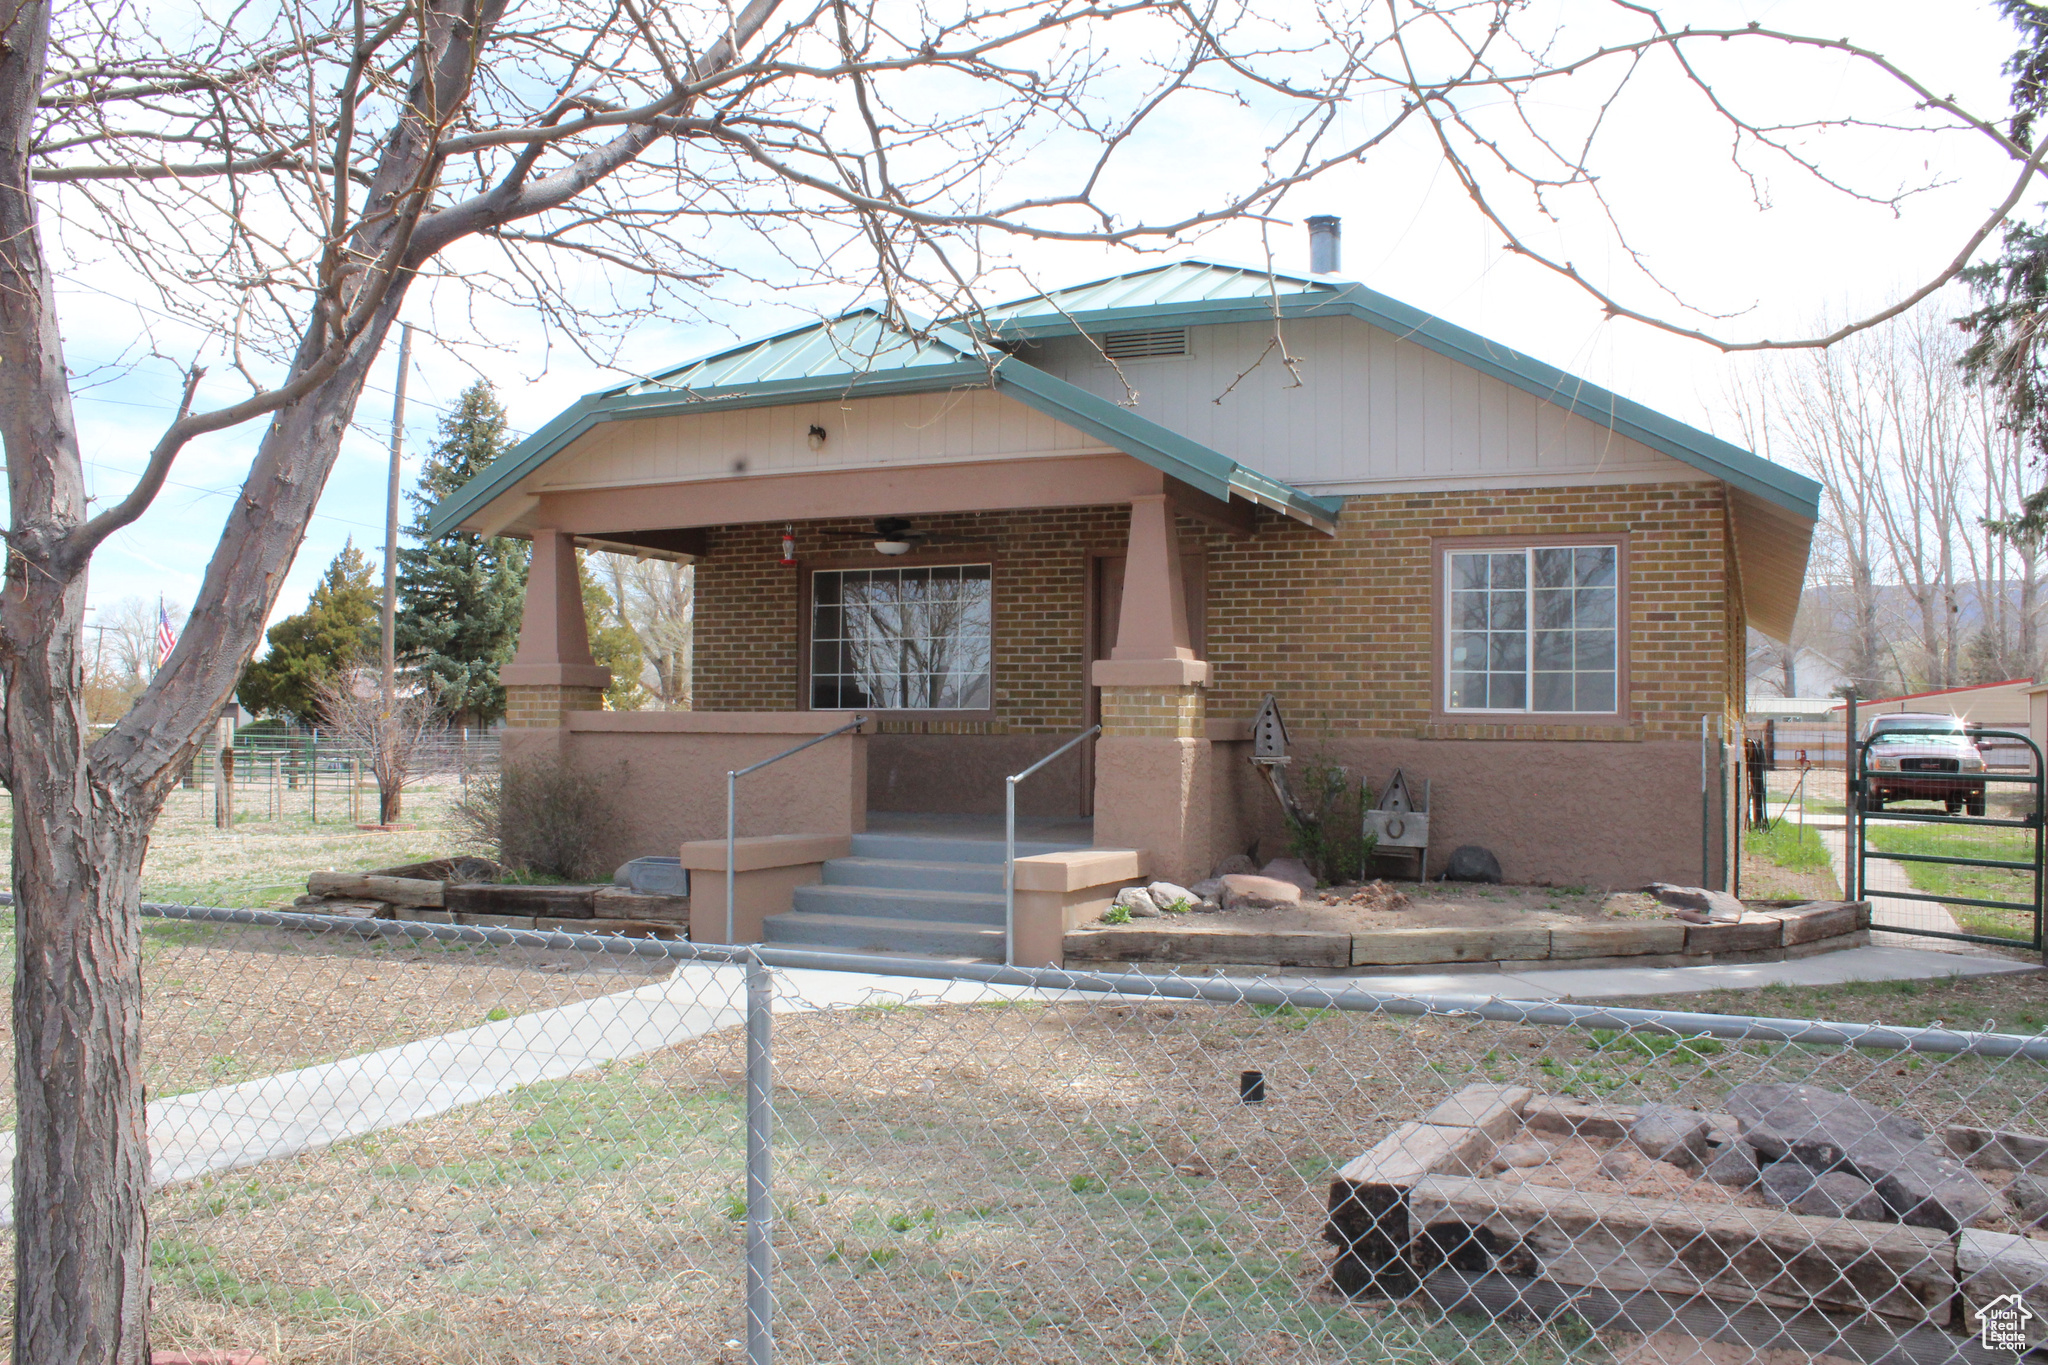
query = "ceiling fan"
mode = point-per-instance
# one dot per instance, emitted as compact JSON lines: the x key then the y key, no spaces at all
{"x":891,"y":535}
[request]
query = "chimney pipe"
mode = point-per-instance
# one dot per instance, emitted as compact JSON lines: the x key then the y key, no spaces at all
{"x":1325,"y":243}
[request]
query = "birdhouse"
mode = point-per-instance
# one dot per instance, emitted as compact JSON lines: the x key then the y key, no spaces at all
{"x":1269,"y":733}
{"x":1400,"y":822}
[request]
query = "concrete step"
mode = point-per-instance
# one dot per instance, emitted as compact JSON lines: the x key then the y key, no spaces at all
{"x":878,"y":934}
{"x":928,"y":849}
{"x":983,"y":878}
{"x":895,"y":902}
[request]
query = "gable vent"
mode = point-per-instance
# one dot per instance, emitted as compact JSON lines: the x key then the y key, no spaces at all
{"x":1161,"y":341}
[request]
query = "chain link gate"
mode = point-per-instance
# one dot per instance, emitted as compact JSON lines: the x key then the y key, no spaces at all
{"x":1967,"y":806}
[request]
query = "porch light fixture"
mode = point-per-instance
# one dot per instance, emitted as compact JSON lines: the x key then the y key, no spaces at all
{"x":789,"y":547}
{"x":892,"y":547}
{"x":816,"y":437}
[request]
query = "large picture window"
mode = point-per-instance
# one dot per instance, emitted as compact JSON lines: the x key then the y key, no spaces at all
{"x":1534,"y":629}
{"x":911,"y":639}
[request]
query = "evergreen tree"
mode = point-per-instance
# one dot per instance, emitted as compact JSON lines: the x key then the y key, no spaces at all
{"x":336,"y":632}
{"x":459,"y":597}
{"x":2008,"y":330}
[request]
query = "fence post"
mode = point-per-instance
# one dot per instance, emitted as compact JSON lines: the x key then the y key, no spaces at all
{"x":760,"y":1284}
{"x":1852,"y":809}
{"x":1706,"y":812}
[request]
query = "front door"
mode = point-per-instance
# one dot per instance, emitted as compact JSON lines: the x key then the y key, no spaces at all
{"x":1105,"y":604}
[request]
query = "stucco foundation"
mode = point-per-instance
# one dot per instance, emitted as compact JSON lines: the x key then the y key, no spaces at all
{"x":667,"y":770}
{"x":1566,"y":813}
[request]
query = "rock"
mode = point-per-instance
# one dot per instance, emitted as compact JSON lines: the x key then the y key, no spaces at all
{"x":1235,"y":864}
{"x":1471,"y":863}
{"x":1290,"y":870}
{"x":1208,"y":889}
{"x":1171,"y":898}
{"x":1732,"y":1164}
{"x":2028,"y":1196}
{"x":1921,"y":1183}
{"x":1718,"y":906}
{"x":1667,"y":1133}
{"x":1138,"y":901}
{"x":1521,"y":1154}
{"x":1816,"y":1126}
{"x":1623,"y":1165}
{"x":1248,"y":891}
{"x":655,"y":876}
{"x":1824,"y":1194}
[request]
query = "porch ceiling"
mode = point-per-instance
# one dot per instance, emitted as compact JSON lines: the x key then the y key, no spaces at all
{"x":860,"y":355}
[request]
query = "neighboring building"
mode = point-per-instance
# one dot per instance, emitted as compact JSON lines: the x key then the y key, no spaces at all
{"x":1793,"y":710}
{"x":1983,"y":704}
{"x":1123,"y":503}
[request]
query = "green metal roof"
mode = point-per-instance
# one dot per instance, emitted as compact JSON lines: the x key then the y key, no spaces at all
{"x":1178,"y":285}
{"x":861,"y":354}
{"x":1198,"y":292}
{"x":858,"y":342}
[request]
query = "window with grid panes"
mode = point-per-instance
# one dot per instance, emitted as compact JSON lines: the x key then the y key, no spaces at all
{"x":1533,"y":629}
{"x":909,"y":639}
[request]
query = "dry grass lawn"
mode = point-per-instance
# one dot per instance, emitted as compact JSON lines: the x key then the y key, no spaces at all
{"x":1020,"y":1182}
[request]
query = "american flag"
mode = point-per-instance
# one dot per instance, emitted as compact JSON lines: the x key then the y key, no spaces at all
{"x":165,"y":636}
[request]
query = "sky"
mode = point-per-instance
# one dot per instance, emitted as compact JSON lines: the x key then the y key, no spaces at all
{"x":1409,"y":231}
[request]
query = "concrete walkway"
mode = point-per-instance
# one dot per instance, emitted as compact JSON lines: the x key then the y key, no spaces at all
{"x":298,"y":1111}
{"x":1834,"y":836}
{"x":1609,"y":983}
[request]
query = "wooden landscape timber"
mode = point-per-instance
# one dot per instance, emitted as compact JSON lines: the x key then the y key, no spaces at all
{"x":1769,"y":934}
{"x":590,"y":909}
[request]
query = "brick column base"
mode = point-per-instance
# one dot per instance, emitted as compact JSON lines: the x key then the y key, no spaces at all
{"x":1154,"y":712}
{"x":1153,"y":778}
{"x":541,"y":706}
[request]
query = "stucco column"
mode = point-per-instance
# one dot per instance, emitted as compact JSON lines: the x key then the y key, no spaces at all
{"x":553,"y":671}
{"x":1152,"y":764}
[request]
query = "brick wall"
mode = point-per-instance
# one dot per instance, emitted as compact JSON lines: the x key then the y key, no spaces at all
{"x":540,"y":706}
{"x":1341,"y":628}
{"x":748,"y":608}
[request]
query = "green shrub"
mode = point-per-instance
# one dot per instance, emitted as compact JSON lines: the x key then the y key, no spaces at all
{"x":1328,"y":834}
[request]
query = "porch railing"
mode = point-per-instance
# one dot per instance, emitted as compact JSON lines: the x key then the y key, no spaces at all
{"x":732,"y":804}
{"x":1010,"y":842}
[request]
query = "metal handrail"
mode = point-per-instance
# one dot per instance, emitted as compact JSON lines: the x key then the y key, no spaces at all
{"x":732,"y":800}
{"x":1010,"y":841}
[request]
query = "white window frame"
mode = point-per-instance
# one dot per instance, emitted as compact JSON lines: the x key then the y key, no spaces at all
{"x":812,"y":641}
{"x":1529,"y":629}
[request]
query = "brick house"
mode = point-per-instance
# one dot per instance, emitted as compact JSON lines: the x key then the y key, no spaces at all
{"x":1146,"y":502}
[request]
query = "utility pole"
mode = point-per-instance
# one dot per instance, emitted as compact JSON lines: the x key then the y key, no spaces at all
{"x":391,"y":525}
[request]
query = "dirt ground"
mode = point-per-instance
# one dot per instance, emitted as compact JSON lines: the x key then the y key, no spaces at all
{"x":1430,"y":905}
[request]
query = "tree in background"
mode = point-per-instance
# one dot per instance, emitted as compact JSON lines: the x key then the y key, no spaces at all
{"x":613,"y":641}
{"x":657,"y":598}
{"x":1906,"y":590}
{"x":335,"y":633}
{"x":124,"y":654}
{"x":459,"y":597}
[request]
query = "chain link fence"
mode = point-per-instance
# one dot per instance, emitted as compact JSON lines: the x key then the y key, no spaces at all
{"x":386,"y":1141}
